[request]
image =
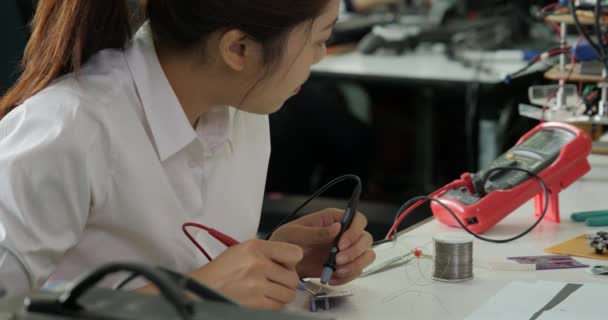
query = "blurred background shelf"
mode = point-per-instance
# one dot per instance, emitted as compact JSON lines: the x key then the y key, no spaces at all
{"x":586,"y":18}
{"x":556,"y":74}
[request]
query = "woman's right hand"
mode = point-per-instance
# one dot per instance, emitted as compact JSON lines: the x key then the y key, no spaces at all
{"x":258,"y":274}
{"x":366,"y":5}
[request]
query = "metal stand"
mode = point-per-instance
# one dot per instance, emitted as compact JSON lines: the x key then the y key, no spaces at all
{"x":603,"y":104}
{"x":561,"y":96}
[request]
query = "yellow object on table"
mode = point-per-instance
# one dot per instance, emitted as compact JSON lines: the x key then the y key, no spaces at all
{"x":577,"y":247}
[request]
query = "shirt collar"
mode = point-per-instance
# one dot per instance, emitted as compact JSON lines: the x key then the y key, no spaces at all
{"x":170,"y":128}
{"x":214,"y":129}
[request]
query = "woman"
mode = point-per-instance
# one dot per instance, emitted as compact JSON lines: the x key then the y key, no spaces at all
{"x":108,"y":145}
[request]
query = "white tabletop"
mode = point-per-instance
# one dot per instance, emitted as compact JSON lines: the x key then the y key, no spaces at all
{"x":407,"y":292}
{"x":422,"y":65}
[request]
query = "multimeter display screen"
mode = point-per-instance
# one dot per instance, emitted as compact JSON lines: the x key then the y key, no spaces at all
{"x":548,"y":141}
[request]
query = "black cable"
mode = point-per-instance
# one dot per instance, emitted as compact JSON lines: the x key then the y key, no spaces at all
{"x":473,"y":90}
{"x":127,"y":280}
{"x":379,"y":242}
{"x":196,"y":287}
{"x":600,"y":34}
{"x":356,"y":194}
{"x":484,"y":179}
{"x":68,"y":301}
{"x":185,"y":282}
{"x":580,"y":29}
{"x":530,"y":64}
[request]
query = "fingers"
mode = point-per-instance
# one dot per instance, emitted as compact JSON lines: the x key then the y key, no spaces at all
{"x":282,"y":276}
{"x":280,"y":294}
{"x":286,"y":254}
{"x":329,"y":217}
{"x":353,"y":270}
{"x":321,"y":228}
{"x":323,"y":218}
{"x":307,"y":236}
{"x":269,"y":304}
{"x":351,"y":254}
{"x":264,"y":303}
{"x":353,"y":234}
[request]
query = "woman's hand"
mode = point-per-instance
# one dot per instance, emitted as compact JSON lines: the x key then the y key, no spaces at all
{"x":315,"y":234}
{"x":366,"y":5}
{"x":257,"y":274}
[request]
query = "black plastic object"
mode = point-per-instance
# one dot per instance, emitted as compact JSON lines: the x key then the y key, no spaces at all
{"x":68,"y":302}
{"x":85,"y":301}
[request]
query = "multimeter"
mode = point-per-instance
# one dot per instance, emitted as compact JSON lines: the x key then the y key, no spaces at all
{"x":556,"y":152}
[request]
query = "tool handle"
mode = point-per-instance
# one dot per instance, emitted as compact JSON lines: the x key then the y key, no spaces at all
{"x":598,"y":221}
{"x":584,"y":215}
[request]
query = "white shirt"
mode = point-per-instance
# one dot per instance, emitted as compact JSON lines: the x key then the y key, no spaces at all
{"x":107,"y":168}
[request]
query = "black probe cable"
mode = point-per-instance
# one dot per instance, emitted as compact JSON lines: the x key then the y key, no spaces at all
{"x":600,"y":33}
{"x":484,"y":179}
{"x":68,"y":303}
{"x":193,"y":286}
{"x":330,"y":184}
{"x":183,"y":282}
{"x":580,"y":29}
{"x":352,"y":203}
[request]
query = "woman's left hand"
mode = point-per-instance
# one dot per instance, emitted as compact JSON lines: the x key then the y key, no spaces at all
{"x":315,"y":234}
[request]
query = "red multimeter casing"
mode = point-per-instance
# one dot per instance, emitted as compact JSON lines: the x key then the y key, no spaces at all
{"x":556,"y":152}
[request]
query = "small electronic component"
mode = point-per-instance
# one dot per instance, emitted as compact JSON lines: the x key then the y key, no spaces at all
{"x":599,"y":241}
{"x":549,"y":262}
{"x":325,"y":299}
{"x":600,"y":270}
{"x":322,"y":296}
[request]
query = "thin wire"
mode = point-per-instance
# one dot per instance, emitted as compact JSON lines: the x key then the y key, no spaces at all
{"x":545,"y":15}
{"x":379,"y":242}
{"x":561,"y":85}
{"x":600,"y":34}
{"x":120,"y":285}
{"x":539,"y":58}
{"x":316,"y":194}
{"x":484,"y":180}
{"x":25,"y":267}
{"x":68,"y":301}
{"x":198,"y":245}
{"x":426,"y":279}
{"x":580,"y":29}
{"x":550,"y":6}
{"x":400,"y":211}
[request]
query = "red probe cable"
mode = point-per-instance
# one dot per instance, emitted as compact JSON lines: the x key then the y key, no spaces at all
{"x":221,"y":237}
{"x":465,"y":181}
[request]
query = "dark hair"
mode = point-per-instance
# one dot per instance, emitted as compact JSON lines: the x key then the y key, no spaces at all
{"x":66,"y":33}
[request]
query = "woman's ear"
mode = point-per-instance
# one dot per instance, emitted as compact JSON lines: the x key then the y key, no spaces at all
{"x":237,"y":49}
